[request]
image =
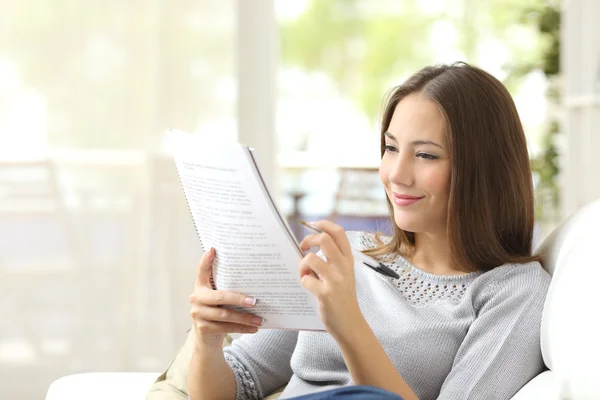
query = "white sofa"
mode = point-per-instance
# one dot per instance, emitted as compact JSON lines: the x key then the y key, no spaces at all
{"x":571,"y":319}
{"x":570,"y":334}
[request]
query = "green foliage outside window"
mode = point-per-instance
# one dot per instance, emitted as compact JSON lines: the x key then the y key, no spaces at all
{"x":368,"y":46}
{"x":545,"y":166}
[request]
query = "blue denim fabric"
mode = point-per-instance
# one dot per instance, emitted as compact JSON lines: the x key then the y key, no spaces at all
{"x":352,"y":392}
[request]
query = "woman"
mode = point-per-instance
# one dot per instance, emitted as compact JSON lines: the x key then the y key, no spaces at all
{"x":463,"y":320}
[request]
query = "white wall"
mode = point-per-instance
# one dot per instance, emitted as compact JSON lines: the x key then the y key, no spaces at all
{"x":580,"y":62}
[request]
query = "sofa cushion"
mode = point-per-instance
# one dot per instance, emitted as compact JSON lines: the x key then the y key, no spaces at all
{"x":570,"y":329}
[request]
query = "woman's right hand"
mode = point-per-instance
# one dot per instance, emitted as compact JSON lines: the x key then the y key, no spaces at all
{"x":211,"y":320}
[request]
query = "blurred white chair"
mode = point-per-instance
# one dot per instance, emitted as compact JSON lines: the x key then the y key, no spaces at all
{"x":33,"y":260}
{"x":570,"y":332}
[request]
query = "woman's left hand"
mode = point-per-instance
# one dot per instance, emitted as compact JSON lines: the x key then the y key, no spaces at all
{"x":331,"y":281}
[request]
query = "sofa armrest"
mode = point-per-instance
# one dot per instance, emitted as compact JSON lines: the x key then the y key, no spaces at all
{"x":102,"y":386}
{"x":543,"y":386}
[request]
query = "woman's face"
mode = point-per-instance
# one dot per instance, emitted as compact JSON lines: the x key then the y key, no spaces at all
{"x":415,"y":168}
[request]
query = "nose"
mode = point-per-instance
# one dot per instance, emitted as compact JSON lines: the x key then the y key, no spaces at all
{"x":401,"y":171}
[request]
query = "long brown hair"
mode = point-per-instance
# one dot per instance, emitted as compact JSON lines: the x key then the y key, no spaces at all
{"x":491,"y":208}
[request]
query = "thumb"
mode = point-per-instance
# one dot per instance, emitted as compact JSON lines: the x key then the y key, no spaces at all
{"x":204,"y":274}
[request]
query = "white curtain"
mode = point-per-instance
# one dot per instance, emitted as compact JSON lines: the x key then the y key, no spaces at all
{"x":97,"y":250}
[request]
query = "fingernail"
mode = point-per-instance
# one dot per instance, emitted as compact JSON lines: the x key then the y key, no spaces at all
{"x":251,"y":301}
{"x":258,"y":320}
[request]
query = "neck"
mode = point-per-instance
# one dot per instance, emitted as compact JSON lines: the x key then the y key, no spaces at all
{"x":432,"y":254}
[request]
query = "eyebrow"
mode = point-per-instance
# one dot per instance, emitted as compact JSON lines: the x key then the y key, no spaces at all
{"x":414,"y":142}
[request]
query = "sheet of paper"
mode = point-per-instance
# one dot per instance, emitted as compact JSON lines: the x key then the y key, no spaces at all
{"x":234,"y":214}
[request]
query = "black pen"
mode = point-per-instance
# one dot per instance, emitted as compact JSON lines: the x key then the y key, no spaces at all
{"x":359,"y":255}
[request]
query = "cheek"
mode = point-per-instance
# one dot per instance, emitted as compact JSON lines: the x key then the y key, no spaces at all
{"x":437,"y":182}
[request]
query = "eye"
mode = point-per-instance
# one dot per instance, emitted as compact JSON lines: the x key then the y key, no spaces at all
{"x":389,"y":148}
{"x":427,"y":156}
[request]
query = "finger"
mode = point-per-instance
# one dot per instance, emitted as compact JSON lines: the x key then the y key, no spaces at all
{"x":337,"y":233}
{"x":312,"y":264}
{"x":308,"y":241}
{"x":212,"y":328}
{"x":206,"y":297}
{"x":310,"y":283}
{"x":327,"y":245}
{"x":215,"y":314}
{"x":204,"y":274}
{"x":305,"y":270}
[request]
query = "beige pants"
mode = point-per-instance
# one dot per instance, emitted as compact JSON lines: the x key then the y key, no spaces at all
{"x":172,"y":384}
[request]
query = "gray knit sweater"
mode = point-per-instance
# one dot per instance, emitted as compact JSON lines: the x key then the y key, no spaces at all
{"x":475,"y":336}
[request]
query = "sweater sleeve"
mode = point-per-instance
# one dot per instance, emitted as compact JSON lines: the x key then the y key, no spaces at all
{"x":501,"y":350}
{"x":261,"y":362}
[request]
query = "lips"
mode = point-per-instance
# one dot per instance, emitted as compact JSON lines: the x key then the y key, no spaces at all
{"x":405,"y":199}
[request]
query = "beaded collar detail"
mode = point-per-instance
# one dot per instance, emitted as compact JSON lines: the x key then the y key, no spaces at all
{"x":420,"y":288}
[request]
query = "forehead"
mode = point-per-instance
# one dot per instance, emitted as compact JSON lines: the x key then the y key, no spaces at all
{"x":416,"y":116}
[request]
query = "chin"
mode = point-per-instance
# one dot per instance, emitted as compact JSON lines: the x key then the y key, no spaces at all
{"x":407,"y":225}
